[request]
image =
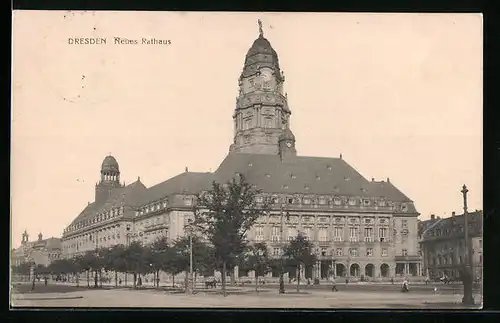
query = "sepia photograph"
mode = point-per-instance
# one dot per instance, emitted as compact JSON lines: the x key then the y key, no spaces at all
{"x":246,"y":160}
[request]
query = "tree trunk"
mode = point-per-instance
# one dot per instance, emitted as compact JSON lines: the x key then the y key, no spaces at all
{"x":186,"y":281}
{"x":256,"y":281}
{"x":224,"y":278}
{"x":95,"y":279}
{"x":88,"y":278}
{"x":116,"y":278}
{"x":298,"y":278}
{"x":135,"y":280}
{"x":77,"y":280}
{"x":158,"y":278}
{"x":100,"y":278}
{"x":126,"y":274}
{"x":173,"y":281}
{"x":194,"y":281}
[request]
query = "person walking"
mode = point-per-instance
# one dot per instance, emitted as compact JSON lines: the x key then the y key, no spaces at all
{"x":334,"y":285}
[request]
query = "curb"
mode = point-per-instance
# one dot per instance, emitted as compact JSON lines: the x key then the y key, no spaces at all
{"x":46,"y":298}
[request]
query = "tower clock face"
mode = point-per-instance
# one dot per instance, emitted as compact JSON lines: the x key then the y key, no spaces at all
{"x":288,"y":144}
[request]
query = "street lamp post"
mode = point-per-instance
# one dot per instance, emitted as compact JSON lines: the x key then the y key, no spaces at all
{"x":282,"y":269}
{"x":190,"y":278}
{"x":468,"y":299}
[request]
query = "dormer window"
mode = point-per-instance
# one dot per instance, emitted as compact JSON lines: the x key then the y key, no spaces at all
{"x":322,"y":201}
{"x":250,"y":165}
{"x":285,"y":186}
{"x":318,"y":177}
{"x":366,"y":202}
{"x":347,"y":179}
{"x":352,"y":201}
{"x":404,"y":207}
{"x":337,"y":201}
{"x":306,"y":201}
{"x":293,"y":176}
{"x":290,"y":200}
{"x":329,"y":167}
{"x":306,"y":187}
{"x":268,"y":175}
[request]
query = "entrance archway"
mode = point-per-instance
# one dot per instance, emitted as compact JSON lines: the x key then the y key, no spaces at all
{"x":355,"y":270}
{"x":384,"y":270}
{"x":340,"y":270}
{"x":370,"y":270}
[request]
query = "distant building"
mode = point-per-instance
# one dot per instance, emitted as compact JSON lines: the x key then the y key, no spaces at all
{"x":442,"y":242}
{"x":41,"y":251}
{"x":359,"y":227}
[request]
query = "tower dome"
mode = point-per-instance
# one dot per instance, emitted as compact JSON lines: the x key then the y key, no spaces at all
{"x":261,"y":54}
{"x":110,"y":164}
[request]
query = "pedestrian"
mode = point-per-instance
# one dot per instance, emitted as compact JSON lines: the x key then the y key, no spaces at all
{"x":334,"y":285}
{"x":45,"y":280}
{"x":347,"y":281}
{"x":392,"y":280}
{"x":120,"y":281}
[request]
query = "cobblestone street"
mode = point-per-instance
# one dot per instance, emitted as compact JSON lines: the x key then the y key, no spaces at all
{"x":243,"y":298}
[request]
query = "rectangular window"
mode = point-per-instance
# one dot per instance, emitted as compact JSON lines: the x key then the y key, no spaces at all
{"x":338,"y":232}
{"x":276,"y":251}
{"x":353,"y":252}
{"x":307,"y":233}
{"x":369,"y":252}
{"x":259,"y":233}
{"x":275,"y":234}
{"x":323,"y":252}
{"x":338,"y":252}
{"x":384,"y":252}
{"x":382,"y":234}
{"x":322,"y":201}
{"x":369,"y":234}
{"x":323,"y":235}
{"x":404,"y":223}
{"x":292,"y":233}
{"x":353,"y":234}
{"x":404,"y":252}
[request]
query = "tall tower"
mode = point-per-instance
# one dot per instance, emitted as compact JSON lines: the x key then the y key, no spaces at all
{"x":262,"y":112}
{"x":110,"y":179}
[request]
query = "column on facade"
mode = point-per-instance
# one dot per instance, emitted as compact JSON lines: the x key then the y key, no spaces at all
{"x":407,"y":269}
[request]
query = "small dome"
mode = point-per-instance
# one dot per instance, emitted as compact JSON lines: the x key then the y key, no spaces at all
{"x":261,"y":46}
{"x":287,"y":134}
{"x":110,"y":164}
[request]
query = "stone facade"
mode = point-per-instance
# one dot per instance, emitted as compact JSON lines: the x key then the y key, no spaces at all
{"x":359,"y":227}
{"x":41,"y":251}
{"x":443,"y":245}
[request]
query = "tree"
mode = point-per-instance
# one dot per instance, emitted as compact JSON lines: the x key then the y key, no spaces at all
{"x":88,"y":263}
{"x":160,"y":253}
{"x":257,"y":259}
{"x":202,"y":255}
{"x":117,"y":261}
{"x":223,"y":215}
{"x":299,"y":252}
{"x":134,"y":255}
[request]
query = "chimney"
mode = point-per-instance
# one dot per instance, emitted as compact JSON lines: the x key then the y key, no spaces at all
{"x":373,"y":179}
{"x":453,"y":213}
{"x":433,"y":217}
{"x":388,"y":180}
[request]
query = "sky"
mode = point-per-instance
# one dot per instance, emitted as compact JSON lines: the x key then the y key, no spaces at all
{"x":398,"y":95}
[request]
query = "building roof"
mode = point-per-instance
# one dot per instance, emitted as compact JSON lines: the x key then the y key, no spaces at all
{"x":306,"y":175}
{"x":186,"y":183}
{"x":130,"y":195}
{"x":452,"y":225}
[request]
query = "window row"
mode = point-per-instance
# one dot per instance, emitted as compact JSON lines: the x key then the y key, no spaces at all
{"x":96,"y":219}
{"x":337,"y":234}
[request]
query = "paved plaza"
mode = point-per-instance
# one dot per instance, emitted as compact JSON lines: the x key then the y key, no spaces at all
{"x":237,"y":298}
